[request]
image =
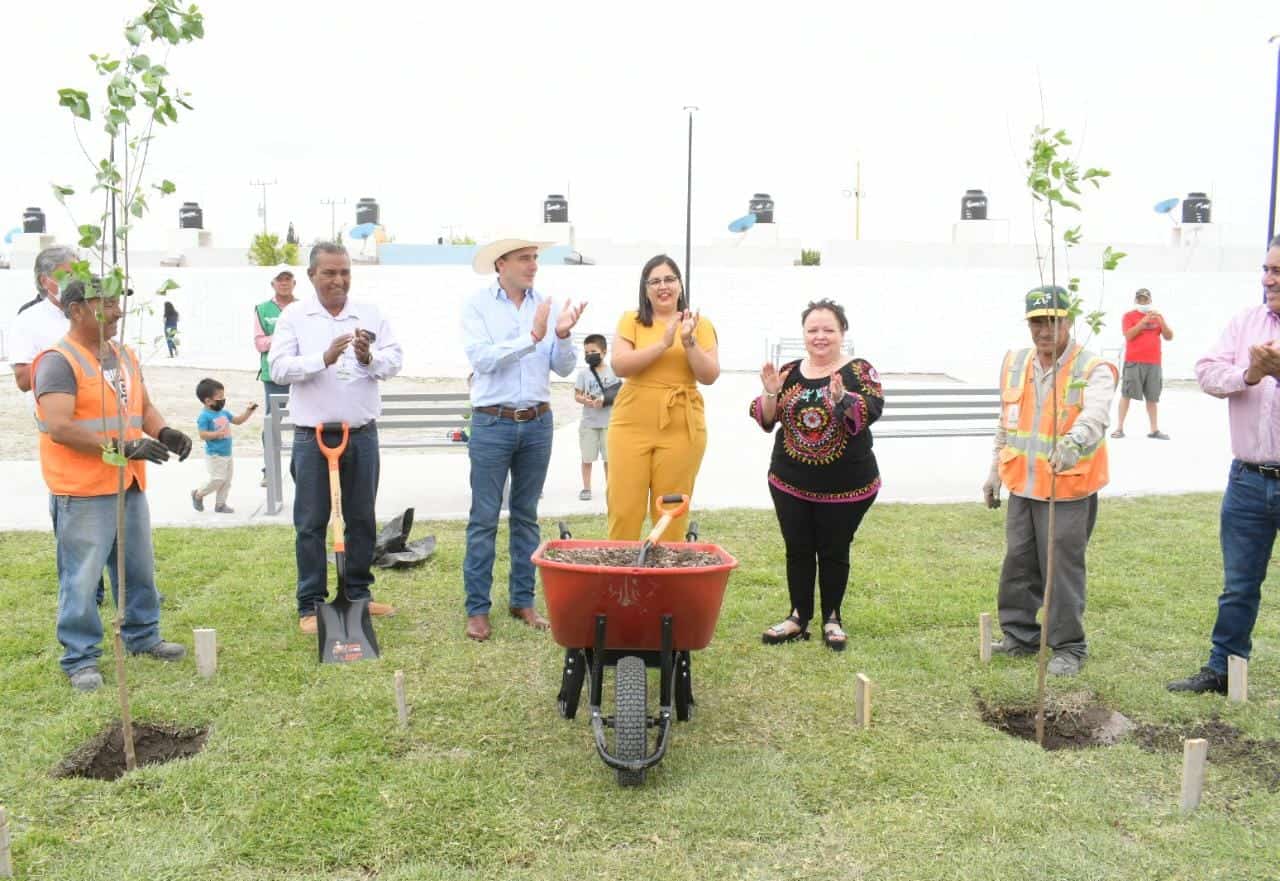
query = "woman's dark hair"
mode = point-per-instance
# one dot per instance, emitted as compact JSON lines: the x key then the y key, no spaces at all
{"x":831,"y":306}
{"x":644,"y":314}
{"x":170,"y":311}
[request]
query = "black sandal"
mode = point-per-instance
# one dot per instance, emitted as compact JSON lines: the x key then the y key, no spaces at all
{"x":778,"y":634}
{"x":834,"y":637}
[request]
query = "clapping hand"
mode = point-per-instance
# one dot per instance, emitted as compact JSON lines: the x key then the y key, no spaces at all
{"x":1264,"y":360}
{"x":360,"y":344}
{"x":336,"y":348}
{"x":772,"y":378}
{"x":836,"y":388}
{"x":669,"y":335}
{"x":569,"y":315}
{"x":540,"y":316}
{"x":688,"y":324}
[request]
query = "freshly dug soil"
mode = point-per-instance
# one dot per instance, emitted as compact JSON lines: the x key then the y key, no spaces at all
{"x":1259,"y":759}
{"x":1072,"y":725}
{"x":102,"y":756}
{"x":658,"y":557}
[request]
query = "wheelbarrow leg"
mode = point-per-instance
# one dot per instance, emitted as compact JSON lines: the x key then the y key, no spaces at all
{"x":684,"y":687}
{"x":665,"y":665}
{"x":575,"y":670}
{"x":596,"y":697}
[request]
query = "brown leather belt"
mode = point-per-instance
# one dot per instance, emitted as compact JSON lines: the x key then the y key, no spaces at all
{"x":521,"y":414}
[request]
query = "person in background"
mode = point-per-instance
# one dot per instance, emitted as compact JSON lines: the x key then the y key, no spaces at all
{"x":658,"y":430}
{"x":595,"y":389}
{"x":1034,"y":469}
{"x":514,"y":336}
{"x":1244,"y":368}
{"x":265,"y":315}
{"x":85,"y":385}
{"x":1143,"y":328}
{"x":41,"y":321}
{"x":823,"y":476}
{"x":171,"y":327}
{"x":332,"y":351}
{"x":214,"y":427}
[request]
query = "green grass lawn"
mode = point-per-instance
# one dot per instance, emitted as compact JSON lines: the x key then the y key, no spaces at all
{"x":306,"y":774}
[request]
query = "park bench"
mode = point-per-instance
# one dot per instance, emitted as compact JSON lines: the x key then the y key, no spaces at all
{"x":782,"y":349}
{"x":431,"y":419}
{"x":938,"y":411}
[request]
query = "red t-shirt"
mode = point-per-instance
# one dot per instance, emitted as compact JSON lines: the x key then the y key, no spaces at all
{"x":1145,"y":347}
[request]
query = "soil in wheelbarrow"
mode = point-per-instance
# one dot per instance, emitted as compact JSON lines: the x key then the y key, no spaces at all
{"x":658,"y":557}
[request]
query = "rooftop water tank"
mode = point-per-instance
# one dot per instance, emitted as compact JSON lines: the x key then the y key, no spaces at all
{"x":1195,"y":208}
{"x":974,"y":205}
{"x":555,"y":209}
{"x":33,"y":220}
{"x":367,"y":211}
{"x":190,"y":216}
{"x":762,"y":207}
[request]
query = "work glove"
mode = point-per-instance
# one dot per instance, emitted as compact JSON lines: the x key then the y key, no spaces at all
{"x":991,"y":489}
{"x":1064,"y":456}
{"x":144,"y":448}
{"x":177,"y":442}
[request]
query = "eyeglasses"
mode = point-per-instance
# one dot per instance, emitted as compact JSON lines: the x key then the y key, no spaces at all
{"x":667,"y":280}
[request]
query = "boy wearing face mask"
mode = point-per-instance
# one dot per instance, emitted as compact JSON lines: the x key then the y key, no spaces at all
{"x":595,"y":389}
{"x":214,"y":425}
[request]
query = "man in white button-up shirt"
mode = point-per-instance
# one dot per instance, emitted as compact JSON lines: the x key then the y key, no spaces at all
{"x":332,"y":352}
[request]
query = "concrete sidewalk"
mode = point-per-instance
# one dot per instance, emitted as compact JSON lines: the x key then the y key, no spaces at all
{"x":733,"y":471}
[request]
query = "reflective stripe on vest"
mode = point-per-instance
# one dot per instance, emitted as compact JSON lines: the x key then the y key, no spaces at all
{"x":1029,"y":427}
{"x":69,"y":471}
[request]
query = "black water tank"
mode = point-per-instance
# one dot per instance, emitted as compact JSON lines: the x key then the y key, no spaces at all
{"x":555,"y":209}
{"x":974,"y":205}
{"x":33,"y":220}
{"x":190,"y":216}
{"x":762,"y":207}
{"x":367,"y":211}
{"x":1195,"y":208}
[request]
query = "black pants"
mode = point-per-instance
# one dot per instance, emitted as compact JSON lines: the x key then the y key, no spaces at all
{"x":817,"y":536}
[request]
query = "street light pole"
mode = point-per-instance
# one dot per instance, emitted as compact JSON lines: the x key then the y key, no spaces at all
{"x":1275,"y":151}
{"x":333,"y":216}
{"x":688,"y":210}
{"x":264,"y":184}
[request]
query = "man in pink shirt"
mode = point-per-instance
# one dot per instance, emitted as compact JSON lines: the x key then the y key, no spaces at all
{"x":1244,"y":368}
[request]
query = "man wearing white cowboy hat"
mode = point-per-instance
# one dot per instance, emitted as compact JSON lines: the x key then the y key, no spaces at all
{"x":513,"y":336}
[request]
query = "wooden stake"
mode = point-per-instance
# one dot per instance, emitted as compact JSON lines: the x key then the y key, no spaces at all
{"x":402,"y":705}
{"x":6,"y":865}
{"x":1194,"y":753}
{"x":862,"y":702}
{"x":206,"y":651}
{"x":1237,"y":679}
{"x":984,"y":637}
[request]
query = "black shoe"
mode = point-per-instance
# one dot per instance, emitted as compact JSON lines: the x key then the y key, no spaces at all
{"x":1206,"y":680}
{"x":1010,"y":647}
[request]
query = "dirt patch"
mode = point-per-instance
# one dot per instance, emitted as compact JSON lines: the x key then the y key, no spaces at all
{"x":1258,"y":759}
{"x":102,"y":757}
{"x":658,"y":557}
{"x":1070,"y":722}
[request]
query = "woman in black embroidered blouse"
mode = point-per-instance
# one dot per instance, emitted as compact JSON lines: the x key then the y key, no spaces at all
{"x":822,"y":476}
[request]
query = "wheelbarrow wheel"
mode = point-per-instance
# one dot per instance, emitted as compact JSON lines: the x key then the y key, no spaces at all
{"x":575,"y":670}
{"x":631,"y":720}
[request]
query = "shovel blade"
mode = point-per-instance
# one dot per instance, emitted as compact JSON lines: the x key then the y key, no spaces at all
{"x":345,"y":631}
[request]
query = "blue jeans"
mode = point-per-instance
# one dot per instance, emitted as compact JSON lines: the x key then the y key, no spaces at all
{"x":86,"y":533}
{"x":1249,"y":520}
{"x":101,"y":594}
{"x":358,"y":470}
{"x":497,"y":447}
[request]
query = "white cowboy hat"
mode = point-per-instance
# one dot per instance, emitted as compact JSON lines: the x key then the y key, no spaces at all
{"x":485,"y":255}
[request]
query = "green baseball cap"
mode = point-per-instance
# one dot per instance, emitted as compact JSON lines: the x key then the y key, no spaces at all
{"x":1048,"y":301}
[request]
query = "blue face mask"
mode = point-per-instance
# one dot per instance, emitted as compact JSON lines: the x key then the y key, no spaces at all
{"x":594,"y":359}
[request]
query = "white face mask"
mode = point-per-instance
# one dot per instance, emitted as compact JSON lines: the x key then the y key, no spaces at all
{"x":1144,"y":307}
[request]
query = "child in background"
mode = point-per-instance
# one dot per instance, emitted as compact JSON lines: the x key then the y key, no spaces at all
{"x":214,"y":427}
{"x":595,"y":390}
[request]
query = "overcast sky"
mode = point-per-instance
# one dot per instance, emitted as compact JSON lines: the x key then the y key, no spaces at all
{"x":469,"y":114}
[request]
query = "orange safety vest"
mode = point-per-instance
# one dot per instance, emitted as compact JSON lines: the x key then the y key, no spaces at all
{"x":1024,"y":461}
{"x":67,"y":471}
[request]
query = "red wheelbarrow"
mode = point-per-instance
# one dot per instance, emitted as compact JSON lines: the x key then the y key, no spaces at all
{"x":632,"y":618}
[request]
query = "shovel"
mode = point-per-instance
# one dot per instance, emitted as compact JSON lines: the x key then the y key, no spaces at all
{"x":681,"y":503}
{"x":343,"y":626}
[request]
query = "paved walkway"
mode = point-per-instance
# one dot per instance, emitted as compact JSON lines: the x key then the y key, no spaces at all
{"x":435,"y":483}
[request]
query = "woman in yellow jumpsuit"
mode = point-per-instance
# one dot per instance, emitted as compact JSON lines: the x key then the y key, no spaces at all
{"x":658,"y":430}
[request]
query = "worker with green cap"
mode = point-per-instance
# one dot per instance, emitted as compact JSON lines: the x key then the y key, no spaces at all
{"x":1054,"y":381}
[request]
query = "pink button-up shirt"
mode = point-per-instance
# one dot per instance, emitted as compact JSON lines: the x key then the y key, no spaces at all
{"x":1252,"y":409}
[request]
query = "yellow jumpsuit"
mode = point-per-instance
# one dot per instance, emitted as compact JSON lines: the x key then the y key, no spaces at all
{"x":657,"y":433}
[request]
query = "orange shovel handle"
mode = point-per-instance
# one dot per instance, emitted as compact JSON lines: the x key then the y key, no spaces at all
{"x":333,"y":454}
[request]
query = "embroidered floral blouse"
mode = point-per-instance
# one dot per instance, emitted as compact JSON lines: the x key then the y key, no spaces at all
{"x":822,"y":452}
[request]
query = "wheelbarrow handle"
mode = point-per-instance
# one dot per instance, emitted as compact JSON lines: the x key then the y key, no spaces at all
{"x":333,"y":454}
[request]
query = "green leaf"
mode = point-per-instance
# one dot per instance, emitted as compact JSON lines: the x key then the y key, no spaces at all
{"x":1072,"y":236}
{"x":60,"y":192}
{"x":1061,"y":137}
{"x":135,"y":34}
{"x":1111,"y":259}
{"x":113,"y":283}
{"x":137,"y":207}
{"x":1077,"y":383}
{"x":139,"y":62}
{"x":89,"y":235}
{"x":111,"y":457}
{"x":169,"y":285}
{"x":166,"y":187}
{"x":75,"y":101}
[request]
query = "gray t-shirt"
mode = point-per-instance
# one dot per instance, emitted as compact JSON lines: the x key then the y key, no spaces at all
{"x":593,"y":417}
{"x":55,"y":375}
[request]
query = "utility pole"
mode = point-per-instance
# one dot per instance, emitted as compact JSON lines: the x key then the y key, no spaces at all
{"x":264,"y":184}
{"x":333,"y":216}
{"x":1275,"y":152}
{"x":688,"y":211}
{"x":856,"y":195}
